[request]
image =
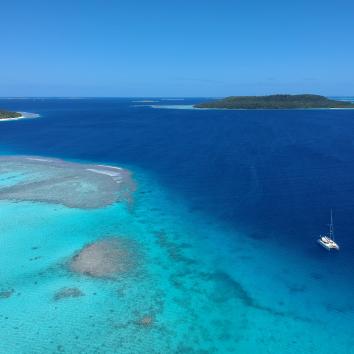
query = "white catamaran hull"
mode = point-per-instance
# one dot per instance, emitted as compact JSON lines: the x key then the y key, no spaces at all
{"x":328,"y":244}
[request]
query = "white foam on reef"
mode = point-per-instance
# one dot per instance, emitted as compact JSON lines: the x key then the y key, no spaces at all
{"x":38,"y":159}
{"x":111,"y":167}
{"x":108,"y":173}
{"x":55,"y":181}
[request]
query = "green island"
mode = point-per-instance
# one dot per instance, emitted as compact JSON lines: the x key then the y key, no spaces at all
{"x":275,"y":102}
{"x":9,"y":114}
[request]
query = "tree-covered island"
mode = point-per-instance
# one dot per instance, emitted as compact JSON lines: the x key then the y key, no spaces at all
{"x":8,"y":114}
{"x":275,"y":102}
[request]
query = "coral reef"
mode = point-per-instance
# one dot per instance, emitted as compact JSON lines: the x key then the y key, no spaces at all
{"x":106,"y":258}
{"x":67,"y":292}
{"x":74,"y":185}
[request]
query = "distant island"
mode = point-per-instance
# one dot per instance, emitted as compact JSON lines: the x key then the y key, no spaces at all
{"x":275,"y":102}
{"x":9,"y":114}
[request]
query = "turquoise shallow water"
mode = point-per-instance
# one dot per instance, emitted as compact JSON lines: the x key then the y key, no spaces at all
{"x":202,"y":292}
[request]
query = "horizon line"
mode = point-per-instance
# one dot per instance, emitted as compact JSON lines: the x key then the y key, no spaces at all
{"x":165,"y":97}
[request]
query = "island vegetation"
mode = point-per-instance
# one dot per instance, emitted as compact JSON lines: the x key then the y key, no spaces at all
{"x":275,"y":102}
{"x":8,"y":114}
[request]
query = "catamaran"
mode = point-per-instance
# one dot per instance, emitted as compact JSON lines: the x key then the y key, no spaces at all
{"x":328,"y":241}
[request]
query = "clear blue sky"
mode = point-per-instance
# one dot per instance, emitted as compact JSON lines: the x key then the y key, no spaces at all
{"x":176,"y":48}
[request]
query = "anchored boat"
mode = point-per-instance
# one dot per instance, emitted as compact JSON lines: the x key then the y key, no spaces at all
{"x":328,"y":241}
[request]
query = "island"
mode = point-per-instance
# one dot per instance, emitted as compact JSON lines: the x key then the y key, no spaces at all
{"x":275,"y":102}
{"x":9,"y":115}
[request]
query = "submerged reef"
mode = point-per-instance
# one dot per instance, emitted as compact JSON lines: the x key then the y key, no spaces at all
{"x":106,"y":258}
{"x":146,"y":321}
{"x":74,"y":185}
{"x":5,"y":294}
{"x":67,"y":292}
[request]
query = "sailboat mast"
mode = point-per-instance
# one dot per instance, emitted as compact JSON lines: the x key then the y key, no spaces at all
{"x":331,"y":233}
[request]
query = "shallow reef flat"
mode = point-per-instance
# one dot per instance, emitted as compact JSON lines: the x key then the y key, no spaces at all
{"x":75,"y":185}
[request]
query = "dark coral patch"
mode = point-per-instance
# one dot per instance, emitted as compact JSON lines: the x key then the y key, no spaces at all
{"x":5,"y":294}
{"x":67,"y":293}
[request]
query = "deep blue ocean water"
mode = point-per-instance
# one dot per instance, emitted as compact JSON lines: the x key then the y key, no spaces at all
{"x":253,"y":188}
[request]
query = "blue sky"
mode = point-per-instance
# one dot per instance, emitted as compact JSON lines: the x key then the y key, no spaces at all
{"x":176,"y":48}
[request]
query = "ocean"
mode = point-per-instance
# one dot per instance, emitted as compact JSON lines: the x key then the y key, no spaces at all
{"x":226,"y":213}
